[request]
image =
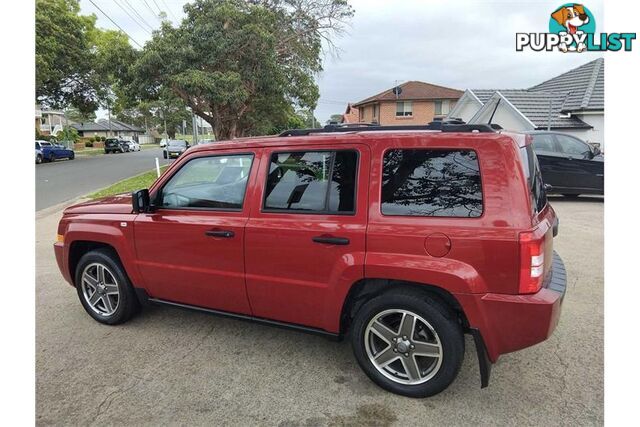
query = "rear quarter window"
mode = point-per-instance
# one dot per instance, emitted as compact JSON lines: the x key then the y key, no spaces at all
{"x":533,"y":174}
{"x":439,"y":183}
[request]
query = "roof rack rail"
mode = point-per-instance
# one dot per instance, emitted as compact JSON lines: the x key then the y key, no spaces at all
{"x":453,"y":125}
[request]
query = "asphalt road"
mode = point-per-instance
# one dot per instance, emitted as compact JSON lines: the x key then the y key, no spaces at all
{"x":169,"y":366}
{"x":64,"y":180}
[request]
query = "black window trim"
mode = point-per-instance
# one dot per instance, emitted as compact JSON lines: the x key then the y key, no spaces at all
{"x":432,"y":217}
{"x":326,"y":210}
{"x":157,"y":195}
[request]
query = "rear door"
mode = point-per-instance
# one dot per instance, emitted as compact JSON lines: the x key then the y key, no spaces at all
{"x":305,"y":241}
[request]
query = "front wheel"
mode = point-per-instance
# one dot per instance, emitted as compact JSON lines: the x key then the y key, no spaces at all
{"x":408,"y":343}
{"x":104,"y":288}
{"x":38,"y":158}
{"x":72,"y":156}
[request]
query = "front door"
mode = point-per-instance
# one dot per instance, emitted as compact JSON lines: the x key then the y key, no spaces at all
{"x":190,"y":250}
{"x":305,"y":240}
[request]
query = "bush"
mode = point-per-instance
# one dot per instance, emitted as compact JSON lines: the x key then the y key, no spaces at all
{"x":89,"y":144}
{"x":92,"y":140}
{"x":103,"y":138}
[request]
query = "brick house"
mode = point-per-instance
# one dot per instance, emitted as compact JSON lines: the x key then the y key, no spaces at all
{"x":415,"y":103}
{"x":351,"y":115}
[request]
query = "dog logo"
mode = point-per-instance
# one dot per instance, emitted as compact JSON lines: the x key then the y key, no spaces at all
{"x":572,"y":28}
{"x":572,"y":19}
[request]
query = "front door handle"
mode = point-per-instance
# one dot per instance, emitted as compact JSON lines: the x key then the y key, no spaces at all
{"x":329,"y":240}
{"x":220,"y":233}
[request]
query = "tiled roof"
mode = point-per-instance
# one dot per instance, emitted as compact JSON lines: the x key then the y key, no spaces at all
{"x":535,"y":107}
{"x":584,"y":86}
{"x":414,"y":90}
{"x":103,"y":125}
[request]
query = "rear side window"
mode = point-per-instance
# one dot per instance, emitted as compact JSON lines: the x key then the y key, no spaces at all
{"x":312,"y":181}
{"x":534,"y":178}
{"x":431,"y":183}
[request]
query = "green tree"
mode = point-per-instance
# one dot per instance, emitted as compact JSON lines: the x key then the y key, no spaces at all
{"x":335,"y":118}
{"x":241,"y":64}
{"x":77,"y":116}
{"x":63,"y":55}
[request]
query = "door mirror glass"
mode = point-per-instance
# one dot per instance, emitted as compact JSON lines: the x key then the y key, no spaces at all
{"x":140,"y":201}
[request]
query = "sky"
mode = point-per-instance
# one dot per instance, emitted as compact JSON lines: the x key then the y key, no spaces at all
{"x":462,"y":44}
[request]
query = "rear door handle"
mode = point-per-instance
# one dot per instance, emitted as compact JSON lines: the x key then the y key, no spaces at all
{"x":331,"y":240}
{"x":220,"y":233}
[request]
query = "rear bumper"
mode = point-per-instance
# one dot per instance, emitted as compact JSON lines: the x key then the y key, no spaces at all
{"x":512,"y":322}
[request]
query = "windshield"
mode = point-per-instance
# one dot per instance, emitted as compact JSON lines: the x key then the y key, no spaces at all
{"x":177,"y":143}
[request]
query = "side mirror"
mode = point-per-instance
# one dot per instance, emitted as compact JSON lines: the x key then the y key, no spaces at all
{"x":140,"y":201}
{"x":596,"y":151}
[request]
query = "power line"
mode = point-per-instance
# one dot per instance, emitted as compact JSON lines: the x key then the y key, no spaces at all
{"x":138,"y":14}
{"x":159,"y":9}
{"x":152,"y":11}
{"x":167,"y":7}
{"x":114,"y":23}
{"x":131,"y":16}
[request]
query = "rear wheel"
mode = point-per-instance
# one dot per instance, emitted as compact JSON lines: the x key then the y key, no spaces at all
{"x":408,"y":343}
{"x":104,"y":288}
{"x":72,"y":156}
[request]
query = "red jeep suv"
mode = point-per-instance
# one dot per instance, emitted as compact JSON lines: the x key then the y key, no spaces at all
{"x":403,"y":239}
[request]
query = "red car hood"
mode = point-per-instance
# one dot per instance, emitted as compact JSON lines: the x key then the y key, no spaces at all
{"x":118,"y":204}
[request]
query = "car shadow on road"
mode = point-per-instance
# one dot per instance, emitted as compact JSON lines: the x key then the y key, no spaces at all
{"x":580,"y":199}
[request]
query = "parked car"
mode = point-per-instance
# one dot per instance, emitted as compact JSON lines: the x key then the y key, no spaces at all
{"x":133,"y":145}
{"x":569,"y":165}
{"x":393,"y":238}
{"x":52,"y":152}
{"x":38,"y":155}
{"x":115,"y":145}
{"x":163,"y":142}
{"x":175,"y":148}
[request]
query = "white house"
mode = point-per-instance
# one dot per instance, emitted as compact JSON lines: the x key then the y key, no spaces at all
{"x":572,"y":102}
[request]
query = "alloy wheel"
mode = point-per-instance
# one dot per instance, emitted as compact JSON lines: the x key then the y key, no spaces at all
{"x":403,"y":346}
{"x":100,"y":289}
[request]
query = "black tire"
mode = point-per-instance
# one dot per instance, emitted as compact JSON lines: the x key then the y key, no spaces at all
{"x":127,"y":304}
{"x":38,"y":159}
{"x":441,"y":319}
{"x":164,"y":154}
{"x":571,"y":196}
{"x":72,"y":156}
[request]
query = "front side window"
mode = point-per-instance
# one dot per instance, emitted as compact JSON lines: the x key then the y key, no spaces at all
{"x":217,"y":182}
{"x":312,"y":181}
{"x":572,"y":147}
{"x":419,"y":182}
{"x":404,"y":109}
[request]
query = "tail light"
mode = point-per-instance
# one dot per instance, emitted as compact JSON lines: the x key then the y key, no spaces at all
{"x":531,"y":262}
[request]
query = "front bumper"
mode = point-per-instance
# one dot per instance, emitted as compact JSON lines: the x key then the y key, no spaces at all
{"x":512,"y":322}
{"x":61,"y":259}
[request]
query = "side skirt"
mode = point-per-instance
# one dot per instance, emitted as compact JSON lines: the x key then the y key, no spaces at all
{"x":142,"y":296}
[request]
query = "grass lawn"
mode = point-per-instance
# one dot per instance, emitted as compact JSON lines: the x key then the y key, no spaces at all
{"x":128,"y":185}
{"x":90,"y":152}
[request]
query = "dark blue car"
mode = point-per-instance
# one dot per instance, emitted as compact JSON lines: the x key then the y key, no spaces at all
{"x":51,"y":151}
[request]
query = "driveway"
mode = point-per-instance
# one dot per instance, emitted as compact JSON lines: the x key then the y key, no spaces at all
{"x":65,"y":180}
{"x":169,"y":366}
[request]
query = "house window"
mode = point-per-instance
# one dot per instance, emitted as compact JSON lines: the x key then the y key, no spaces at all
{"x":404,"y":109}
{"x":375,"y":111}
{"x":441,"y":107}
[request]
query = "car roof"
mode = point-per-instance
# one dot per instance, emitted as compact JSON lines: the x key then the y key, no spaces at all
{"x":361,"y":136}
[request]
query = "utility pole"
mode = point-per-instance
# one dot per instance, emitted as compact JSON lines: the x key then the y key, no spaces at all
{"x":109,"y":110}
